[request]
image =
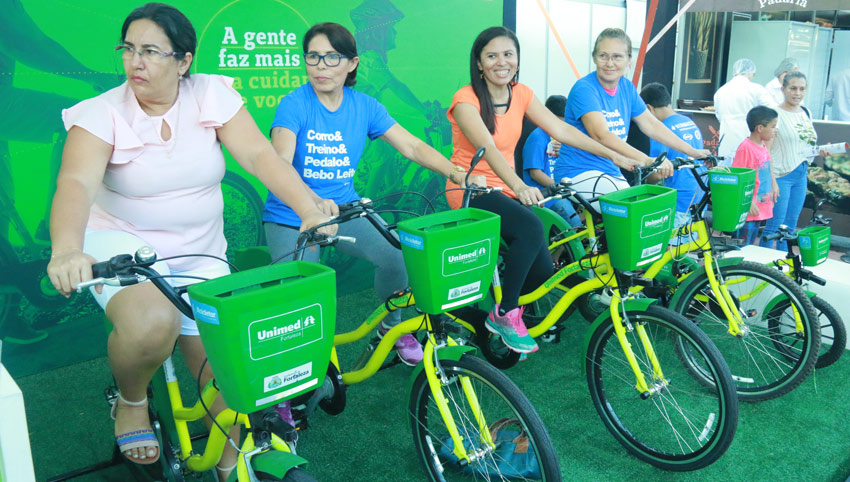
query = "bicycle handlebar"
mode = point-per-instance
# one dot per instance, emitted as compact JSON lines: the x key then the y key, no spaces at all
{"x":783,"y":233}
{"x":564,"y":190}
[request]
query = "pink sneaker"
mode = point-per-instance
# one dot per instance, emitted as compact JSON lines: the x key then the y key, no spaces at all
{"x":285,"y":412}
{"x":512,"y":329}
{"x":408,"y":348}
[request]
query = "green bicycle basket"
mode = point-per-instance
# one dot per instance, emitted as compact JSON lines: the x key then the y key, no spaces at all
{"x":638,"y":223}
{"x":731,"y":195}
{"x":268,"y":331}
{"x":814,"y":244}
{"x":450,"y":257}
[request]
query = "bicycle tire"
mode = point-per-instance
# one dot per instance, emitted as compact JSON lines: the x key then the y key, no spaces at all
{"x":243,"y":213}
{"x":498,"y":398}
{"x":687,"y":426}
{"x":833,"y":334}
{"x":760,"y":370}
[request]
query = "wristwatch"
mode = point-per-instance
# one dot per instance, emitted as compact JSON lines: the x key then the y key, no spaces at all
{"x":456,"y":169}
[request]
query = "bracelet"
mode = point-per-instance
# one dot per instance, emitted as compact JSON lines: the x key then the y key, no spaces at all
{"x":455,"y":169}
{"x":69,"y":250}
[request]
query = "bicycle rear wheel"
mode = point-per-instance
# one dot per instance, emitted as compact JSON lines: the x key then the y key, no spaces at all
{"x":682,"y":425}
{"x":764,"y":364}
{"x":498,"y":398}
{"x":833,"y":335}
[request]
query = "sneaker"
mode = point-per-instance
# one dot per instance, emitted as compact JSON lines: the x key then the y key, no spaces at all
{"x":408,"y":347}
{"x":512,"y":329}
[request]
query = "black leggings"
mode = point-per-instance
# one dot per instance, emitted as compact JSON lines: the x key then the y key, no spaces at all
{"x":528,"y":262}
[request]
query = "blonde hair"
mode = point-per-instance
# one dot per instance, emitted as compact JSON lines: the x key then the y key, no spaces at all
{"x":614,"y":33}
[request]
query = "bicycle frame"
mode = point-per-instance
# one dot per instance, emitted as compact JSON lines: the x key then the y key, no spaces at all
{"x":227,"y":418}
{"x":603,"y":279}
{"x":430,"y":363}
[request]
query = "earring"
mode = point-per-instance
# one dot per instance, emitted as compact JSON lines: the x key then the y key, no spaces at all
{"x":481,"y":73}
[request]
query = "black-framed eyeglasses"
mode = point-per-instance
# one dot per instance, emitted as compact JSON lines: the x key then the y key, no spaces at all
{"x":145,"y":53}
{"x":331,"y":59}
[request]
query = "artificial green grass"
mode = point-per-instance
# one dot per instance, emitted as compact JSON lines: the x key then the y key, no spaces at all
{"x":802,"y":435}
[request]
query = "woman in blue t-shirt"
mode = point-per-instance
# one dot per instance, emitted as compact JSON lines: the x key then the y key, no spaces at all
{"x":601,"y":105}
{"x":321,"y":129}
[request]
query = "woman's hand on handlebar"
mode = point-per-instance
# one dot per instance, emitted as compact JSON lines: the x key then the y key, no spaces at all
{"x":317,"y":218}
{"x":328,"y":207}
{"x":68,"y":268}
{"x":529,"y":195}
{"x":665,"y":169}
{"x":625,"y":163}
{"x":477,"y":180}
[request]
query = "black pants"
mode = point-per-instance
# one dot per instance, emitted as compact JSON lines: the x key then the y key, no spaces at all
{"x":528,"y":262}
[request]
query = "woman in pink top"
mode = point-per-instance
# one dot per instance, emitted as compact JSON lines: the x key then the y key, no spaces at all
{"x":488,"y":113}
{"x":142,"y":165}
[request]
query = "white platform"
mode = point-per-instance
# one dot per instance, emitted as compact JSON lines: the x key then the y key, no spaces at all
{"x":15,"y":455}
{"x":836,"y":273}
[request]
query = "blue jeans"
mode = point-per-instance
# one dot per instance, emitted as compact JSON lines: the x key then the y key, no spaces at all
{"x":786,"y":210}
{"x":566,"y":210}
{"x":749,"y":232}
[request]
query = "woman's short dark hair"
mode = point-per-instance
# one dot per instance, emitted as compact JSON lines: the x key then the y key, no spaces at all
{"x":176,"y":26}
{"x":794,"y":74}
{"x":479,"y":85}
{"x":340,"y":39}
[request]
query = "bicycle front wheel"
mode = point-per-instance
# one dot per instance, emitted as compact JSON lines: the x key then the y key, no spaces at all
{"x":778,"y":344}
{"x":833,"y":335}
{"x":680,"y":424}
{"x":499,"y":401}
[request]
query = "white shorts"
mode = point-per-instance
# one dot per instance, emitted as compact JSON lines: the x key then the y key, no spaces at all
{"x":596,"y":183}
{"x":103,"y":245}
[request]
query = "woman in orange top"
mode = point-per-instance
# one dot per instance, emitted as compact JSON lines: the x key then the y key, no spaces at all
{"x":488,"y":113}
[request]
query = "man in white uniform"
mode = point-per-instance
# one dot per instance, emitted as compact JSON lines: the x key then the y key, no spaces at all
{"x":838,"y":96}
{"x":774,"y":87}
{"x":731,"y":104}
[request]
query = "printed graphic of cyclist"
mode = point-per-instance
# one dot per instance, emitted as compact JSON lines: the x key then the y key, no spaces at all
{"x":30,"y":116}
{"x":375,"y":33}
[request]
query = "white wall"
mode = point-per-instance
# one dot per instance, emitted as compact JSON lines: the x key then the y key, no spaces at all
{"x":543,"y":65}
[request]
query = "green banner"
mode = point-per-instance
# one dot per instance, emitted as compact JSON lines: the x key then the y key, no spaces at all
{"x":413,"y":56}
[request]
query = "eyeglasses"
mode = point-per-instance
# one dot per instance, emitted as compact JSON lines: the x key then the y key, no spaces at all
{"x":331,"y":60}
{"x":145,"y":53}
{"x":616,"y":58}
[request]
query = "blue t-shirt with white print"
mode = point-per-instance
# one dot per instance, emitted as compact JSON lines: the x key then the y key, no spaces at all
{"x":687,"y":190}
{"x":588,"y":95}
{"x":328,"y":145}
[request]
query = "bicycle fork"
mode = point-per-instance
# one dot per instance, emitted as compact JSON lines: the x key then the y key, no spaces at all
{"x":622,"y":326}
{"x":436,"y":380}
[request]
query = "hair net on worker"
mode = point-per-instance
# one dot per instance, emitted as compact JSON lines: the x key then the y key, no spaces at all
{"x":787,"y":65}
{"x":743,"y":66}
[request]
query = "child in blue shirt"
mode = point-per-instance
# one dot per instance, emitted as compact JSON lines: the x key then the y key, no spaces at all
{"x":688,"y":192}
{"x":538,"y":164}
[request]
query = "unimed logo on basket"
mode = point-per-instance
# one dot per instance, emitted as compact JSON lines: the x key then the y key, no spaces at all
{"x":282,"y":333}
{"x":655,"y":223}
{"x":464,"y":258}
